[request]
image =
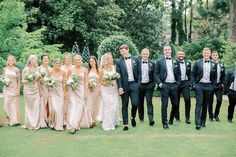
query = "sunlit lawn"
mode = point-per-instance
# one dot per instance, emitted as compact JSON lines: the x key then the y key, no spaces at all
{"x":218,"y":139}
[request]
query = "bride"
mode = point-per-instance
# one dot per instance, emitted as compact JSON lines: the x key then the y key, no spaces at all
{"x":109,"y":94}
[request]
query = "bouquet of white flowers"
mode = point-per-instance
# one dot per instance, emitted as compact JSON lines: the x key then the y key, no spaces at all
{"x":43,"y":74}
{"x":111,"y":76}
{"x":31,"y":77}
{"x":73,"y":82}
{"x":93,"y":83}
{"x":48,"y":81}
{"x":5,"y":80}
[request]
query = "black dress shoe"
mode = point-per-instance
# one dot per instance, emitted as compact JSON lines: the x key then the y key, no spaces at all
{"x":133,"y":122}
{"x":170,"y":122}
{"x":217,"y":119}
{"x":151,"y":123}
{"x":126,"y":128}
{"x":230,"y":121}
{"x":165,"y":126}
{"x":188,"y":121}
{"x":211,"y":119}
{"x":203,"y":125}
{"x":198,"y":127}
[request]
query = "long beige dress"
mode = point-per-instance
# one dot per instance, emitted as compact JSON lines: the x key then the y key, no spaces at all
{"x":11,"y":100}
{"x":57,"y":103}
{"x":93,"y":99}
{"x":33,"y":108}
{"x":84,"y":114}
{"x":46,"y":108}
{"x":65,"y":108}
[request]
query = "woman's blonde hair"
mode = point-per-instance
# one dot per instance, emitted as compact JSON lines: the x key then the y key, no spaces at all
{"x":30,"y":58}
{"x":103,"y":61}
{"x":11,"y":57}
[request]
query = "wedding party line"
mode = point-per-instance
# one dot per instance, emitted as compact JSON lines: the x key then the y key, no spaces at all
{"x":73,"y":97}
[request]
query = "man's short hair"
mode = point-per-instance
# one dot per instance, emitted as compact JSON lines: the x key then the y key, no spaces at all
{"x":124,"y":46}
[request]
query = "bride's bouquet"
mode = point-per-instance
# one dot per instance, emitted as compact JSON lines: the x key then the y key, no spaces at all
{"x":111,"y":76}
{"x":93,"y":83}
{"x":48,"y":81}
{"x":5,"y":80}
{"x":73,"y":82}
{"x":31,"y":77}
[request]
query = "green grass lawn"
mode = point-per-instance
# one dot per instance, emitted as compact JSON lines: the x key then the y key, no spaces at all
{"x":218,"y":139}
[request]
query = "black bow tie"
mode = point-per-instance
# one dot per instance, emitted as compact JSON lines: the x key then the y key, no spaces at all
{"x":182,"y":62}
{"x":127,"y":57}
{"x":145,"y":62}
{"x":168,"y":58}
{"x":207,"y":61}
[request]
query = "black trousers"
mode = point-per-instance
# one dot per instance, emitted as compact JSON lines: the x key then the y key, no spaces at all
{"x":184,"y":89}
{"x":132,"y":92}
{"x":146,"y":91}
{"x":217,"y":91}
{"x":203,"y":94}
{"x":168,"y":90}
{"x":232,"y":103}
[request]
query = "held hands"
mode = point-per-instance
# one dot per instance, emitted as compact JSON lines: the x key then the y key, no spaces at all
{"x":121,"y":91}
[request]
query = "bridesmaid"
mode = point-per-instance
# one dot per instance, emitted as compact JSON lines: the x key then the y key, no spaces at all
{"x":93,"y":100}
{"x":57,"y":95}
{"x":66,"y":67}
{"x":109,"y":94}
{"x":45,"y":68}
{"x":32,"y":92}
{"x":12,"y":92}
{"x":78,"y":113}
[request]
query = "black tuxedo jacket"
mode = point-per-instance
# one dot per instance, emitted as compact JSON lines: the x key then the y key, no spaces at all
{"x":222,"y":73}
{"x":229,"y":79}
{"x":122,"y":70}
{"x":160,"y":73}
{"x":151,"y":67}
{"x":197,"y":72}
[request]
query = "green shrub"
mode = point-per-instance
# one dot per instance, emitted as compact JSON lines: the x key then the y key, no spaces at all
{"x":112,"y":44}
{"x":2,"y":64}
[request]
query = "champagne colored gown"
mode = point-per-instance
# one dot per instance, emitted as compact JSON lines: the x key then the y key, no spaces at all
{"x":94,"y":99}
{"x":57,"y":104}
{"x":46,"y":108}
{"x":33,"y":108}
{"x":11,"y":100}
{"x":84,"y":113}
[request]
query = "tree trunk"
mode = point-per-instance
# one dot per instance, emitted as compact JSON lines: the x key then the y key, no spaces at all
{"x":185,"y":18}
{"x":173,"y":22}
{"x":232,"y":22}
{"x":191,"y":21}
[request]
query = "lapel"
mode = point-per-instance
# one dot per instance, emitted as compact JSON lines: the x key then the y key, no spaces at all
{"x":186,"y":64}
{"x":132,"y":62}
{"x":201,"y":65}
{"x":173,"y":63}
{"x":125,"y":67}
{"x":164,"y":62}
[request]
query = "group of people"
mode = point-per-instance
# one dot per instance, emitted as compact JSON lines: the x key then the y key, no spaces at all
{"x":60,"y":104}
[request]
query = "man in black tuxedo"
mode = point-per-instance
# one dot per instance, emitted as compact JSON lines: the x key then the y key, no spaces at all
{"x":167,"y":76}
{"x":217,"y":87}
{"x":147,"y":86}
{"x":128,"y":85}
{"x":184,"y":88}
{"x":230,"y":90}
{"x":202,"y":77}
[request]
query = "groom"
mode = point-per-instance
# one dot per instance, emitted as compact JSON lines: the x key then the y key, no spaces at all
{"x":130,"y":76}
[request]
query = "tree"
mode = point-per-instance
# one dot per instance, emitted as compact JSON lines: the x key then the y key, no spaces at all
{"x":232,"y":22}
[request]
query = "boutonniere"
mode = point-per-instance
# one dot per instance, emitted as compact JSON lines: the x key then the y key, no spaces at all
{"x":150,"y":65}
{"x":174,"y":61}
{"x":134,"y":62}
{"x":187,"y":63}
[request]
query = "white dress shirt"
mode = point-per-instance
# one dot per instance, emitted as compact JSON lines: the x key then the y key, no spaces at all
{"x":170,"y":73}
{"x":129,"y":67}
{"x":183,"y":71}
{"x":145,"y":72}
{"x":218,"y":72}
{"x":206,"y":72}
